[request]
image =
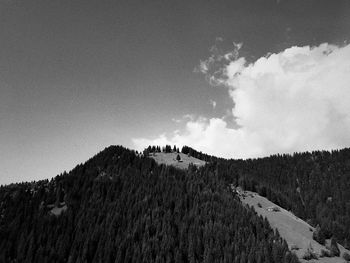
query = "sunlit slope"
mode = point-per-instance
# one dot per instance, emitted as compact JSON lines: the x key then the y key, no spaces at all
{"x":170,"y":159}
{"x":294,"y":230}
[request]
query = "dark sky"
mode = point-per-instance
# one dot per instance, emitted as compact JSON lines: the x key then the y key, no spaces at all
{"x":77,"y":76}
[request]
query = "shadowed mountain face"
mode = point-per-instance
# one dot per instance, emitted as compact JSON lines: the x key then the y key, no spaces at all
{"x":119,"y":207}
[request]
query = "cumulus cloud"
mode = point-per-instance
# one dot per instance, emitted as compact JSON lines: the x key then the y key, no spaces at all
{"x":295,"y":100}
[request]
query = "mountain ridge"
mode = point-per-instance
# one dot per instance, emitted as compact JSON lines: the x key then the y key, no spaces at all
{"x":116,"y":176}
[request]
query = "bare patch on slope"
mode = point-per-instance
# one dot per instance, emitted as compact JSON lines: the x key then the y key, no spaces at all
{"x":57,"y":209}
{"x":296,"y":232}
{"x":171,"y":159}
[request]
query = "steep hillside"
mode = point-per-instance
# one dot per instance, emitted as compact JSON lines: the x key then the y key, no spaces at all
{"x":120,"y":207}
{"x":314,"y":186}
{"x":294,"y":230}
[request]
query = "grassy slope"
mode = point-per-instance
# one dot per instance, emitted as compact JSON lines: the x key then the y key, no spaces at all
{"x":170,"y":159}
{"x":293,"y":229}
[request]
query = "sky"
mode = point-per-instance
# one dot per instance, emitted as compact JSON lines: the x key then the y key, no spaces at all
{"x":238,"y":79}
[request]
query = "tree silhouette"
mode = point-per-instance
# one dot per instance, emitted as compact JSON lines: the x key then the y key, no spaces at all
{"x":178,"y":157}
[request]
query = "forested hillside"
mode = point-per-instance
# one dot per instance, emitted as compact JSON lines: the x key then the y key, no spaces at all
{"x":315,"y":186}
{"x":123,"y":207}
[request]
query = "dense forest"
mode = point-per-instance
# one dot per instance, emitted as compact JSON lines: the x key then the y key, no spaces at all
{"x":315,"y":186}
{"x":120,"y":206}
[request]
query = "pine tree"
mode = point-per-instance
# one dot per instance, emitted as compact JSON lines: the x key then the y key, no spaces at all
{"x":178,"y":158}
{"x":335,"y":252}
{"x":318,"y":235}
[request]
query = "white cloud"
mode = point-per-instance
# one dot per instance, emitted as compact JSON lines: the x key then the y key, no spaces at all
{"x":215,"y":66}
{"x":186,"y":117}
{"x":190,"y":117}
{"x":295,"y":100}
{"x":213,"y":103}
{"x":176,"y":120}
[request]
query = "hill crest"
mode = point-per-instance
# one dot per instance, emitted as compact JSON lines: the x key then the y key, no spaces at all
{"x":171,"y":159}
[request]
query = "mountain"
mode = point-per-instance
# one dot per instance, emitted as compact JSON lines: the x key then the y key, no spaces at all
{"x":313,"y":186}
{"x":123,"y":206}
